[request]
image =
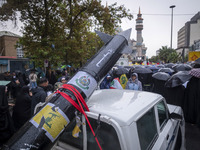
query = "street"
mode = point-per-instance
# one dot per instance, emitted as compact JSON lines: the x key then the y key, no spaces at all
{"x":192,"y":136}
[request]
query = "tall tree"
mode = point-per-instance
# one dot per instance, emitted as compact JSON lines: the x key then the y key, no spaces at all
{"x":61,"y":30}
{"x":165,"y":53}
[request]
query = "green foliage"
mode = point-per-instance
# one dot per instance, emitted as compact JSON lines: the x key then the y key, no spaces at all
{"x":173,"y":57}
{"x":66,"y":24}
{"x":154,"y":59}
{"x":168,"y":55}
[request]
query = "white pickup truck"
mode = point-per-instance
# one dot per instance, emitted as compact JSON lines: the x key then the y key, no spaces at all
{"x":127,"y":120}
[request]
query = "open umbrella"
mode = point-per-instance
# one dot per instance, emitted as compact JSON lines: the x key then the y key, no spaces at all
{"x":169,"y":65}
{"x":4,"y":82}
{"x":142,"y":70}
{"x":153,"y":68}
{"x":195,"y":72}
{"x":168,"y":70}
{"x":121,"y":71}
{"x":33,"y":69}
{"x":178,"y":79}
{"x":182,"y":67}
{"x":161,"y":76}
{"x":160,"y":66}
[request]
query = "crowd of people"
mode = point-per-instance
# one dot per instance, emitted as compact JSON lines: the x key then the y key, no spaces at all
{"x":184,"y":94}
{"x":24,"y":96}
{"x":27,"y":92}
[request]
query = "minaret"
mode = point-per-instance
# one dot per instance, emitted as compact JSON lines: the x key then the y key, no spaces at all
{"x":139,"y":28}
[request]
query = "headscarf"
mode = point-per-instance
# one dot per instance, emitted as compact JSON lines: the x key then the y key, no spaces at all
{"x":25,"y":90}
{"x":136,"y":80}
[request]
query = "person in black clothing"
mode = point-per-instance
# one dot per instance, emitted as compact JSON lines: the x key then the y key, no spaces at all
{"x":175,"y":95}
{"x":16,"y":88}
{"x":158,"y":86}
{"x":191,"y":105}
{"x":20,"y":77}
{"x":39,"y":93}
{"x":6,"y":122}
{"x":22,"y":108}
{"x":50,"y":75}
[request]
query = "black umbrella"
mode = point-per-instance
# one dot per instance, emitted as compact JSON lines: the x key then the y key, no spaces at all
{"x":129,"y":67}
{"x":169,"y":70}
{"x":153,"y":68}
{"x":142,"y":70}
{"x":182,"y":67}
{"x":178,"y":79}
{"x":121,"y":71}
{"x":160,"y":66}
{"x":33,"y":69}
{"x":169,"y":65}
{"x":137,"y":66}
{"x":161,"y":76}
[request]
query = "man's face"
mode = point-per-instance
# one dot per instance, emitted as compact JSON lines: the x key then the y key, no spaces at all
{"x":108,"y":78}
{"x":64,"y":81}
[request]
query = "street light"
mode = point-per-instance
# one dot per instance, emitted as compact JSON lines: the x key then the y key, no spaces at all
{"x":171,"y":24}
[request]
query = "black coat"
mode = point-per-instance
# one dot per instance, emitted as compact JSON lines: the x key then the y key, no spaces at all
{"x":159,"y":86}
{"x":175,"y":95}
{"x":22,"y":108}
{"x":6,"y":123}
{"x":191,"y":106}
{"x":39,"y":95}
{"x":16,"y":88}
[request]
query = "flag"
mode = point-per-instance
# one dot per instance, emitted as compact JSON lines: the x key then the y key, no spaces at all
{"x":123,"y":80}
{"x":115,"y":84}
{"x":77,"y":130}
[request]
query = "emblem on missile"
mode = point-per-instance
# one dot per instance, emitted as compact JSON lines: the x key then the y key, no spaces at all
{"x":83,"y":82}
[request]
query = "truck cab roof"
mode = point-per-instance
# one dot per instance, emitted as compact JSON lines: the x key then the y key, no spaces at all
{"x":124,"y":106}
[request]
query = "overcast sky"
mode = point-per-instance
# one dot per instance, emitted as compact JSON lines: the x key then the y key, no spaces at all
{"x":157,"y":20}
{"x":157,"y":27}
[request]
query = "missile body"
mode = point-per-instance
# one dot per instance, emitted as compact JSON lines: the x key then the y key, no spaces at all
{"x":43,"y":129}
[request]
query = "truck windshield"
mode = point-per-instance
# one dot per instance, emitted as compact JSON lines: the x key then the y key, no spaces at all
{"x":106,"y":135}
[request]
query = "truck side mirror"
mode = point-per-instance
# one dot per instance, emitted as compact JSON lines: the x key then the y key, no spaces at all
{"x":175,"y":116}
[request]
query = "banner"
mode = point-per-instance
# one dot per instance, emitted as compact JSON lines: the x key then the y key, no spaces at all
{"x":123,"y":80}
{"x":192,"y":56}
{"x":115,"y":84}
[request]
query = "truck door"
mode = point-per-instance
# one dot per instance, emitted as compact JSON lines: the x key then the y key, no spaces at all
{"x":106,"y":135}
{"x":167,"y":128}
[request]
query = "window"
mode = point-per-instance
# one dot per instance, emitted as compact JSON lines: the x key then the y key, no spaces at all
{"x":147,"y":130}
{"x":106,"y":135}
{"x":162,"y":114}
{"x":20,"y":53}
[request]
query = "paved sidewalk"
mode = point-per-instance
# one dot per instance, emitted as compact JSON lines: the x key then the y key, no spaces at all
{"x":192,"y":136}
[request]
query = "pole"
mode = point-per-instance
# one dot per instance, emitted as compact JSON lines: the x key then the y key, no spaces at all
{"x":171,"y":24}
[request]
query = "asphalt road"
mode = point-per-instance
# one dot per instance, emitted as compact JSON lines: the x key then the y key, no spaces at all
{"x":192,"y":136}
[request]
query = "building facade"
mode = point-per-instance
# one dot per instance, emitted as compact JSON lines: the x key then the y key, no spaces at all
{"x":11,"y":53}
{"x":8,"y":41}
{"x":189,"y":35}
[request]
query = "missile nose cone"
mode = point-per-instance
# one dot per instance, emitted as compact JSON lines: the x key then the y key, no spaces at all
{"x":126,"y":34}
{"x":104,"y":37}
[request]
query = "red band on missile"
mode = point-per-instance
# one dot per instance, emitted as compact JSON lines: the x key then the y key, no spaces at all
{"x":78,"y":107}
